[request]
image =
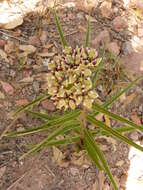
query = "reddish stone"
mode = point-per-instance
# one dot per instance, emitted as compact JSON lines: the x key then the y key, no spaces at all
{"x":7,"y":88}
{"x":48,"y":105}
{"x":21,"y":102}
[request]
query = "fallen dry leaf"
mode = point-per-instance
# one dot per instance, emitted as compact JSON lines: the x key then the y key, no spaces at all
{"x":26,"y":80}
{"x":130,"y":98}
{"x":7,"y":88}
{"x":3,"y":55}
{"x":46,"y":54}
{"x":81,"y":159}
{"x":9,"y":46}
{"x":2,"y":171}
{"x":27,"y":48}
{"x":120,"y":163}
{"x":110,"y":140}
{"x":58,"y":155}
{"x":135,"y":118}
{"x":107,"y":121}
{"x":2,"y":96}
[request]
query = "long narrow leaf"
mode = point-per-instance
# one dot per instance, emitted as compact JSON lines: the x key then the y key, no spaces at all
{"x":117,"y":117}
{"x":61,"y":34}
{"x":59,"y":131}
{"x":43,"y":115}
{"x":93,"y":155}
{"x":64,"y":141}
{"x":42,"y":128}
{"x":100,"y":132}
{"x":115,"y":97}
{"x":124,"y":129}
{"x":98,"y":69}
{"x":87,"y":33}
{"x":37,"y":100}
{"x":112,"y":132}
{"x":97,"y":151}
{"x":68,"y":117}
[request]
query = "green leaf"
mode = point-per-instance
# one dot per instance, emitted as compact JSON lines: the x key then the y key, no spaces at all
{"x":94,"y":149}
{"x":87,"y":33}
{"x":88,"y":145}
{"x":36,"y":101}
{"x":69,"y":116}
{"x":59,"y":131}
{"x":66,"y":117}
{"x":29,"y":131}
{"x":43,"y":115}
{"x":112,"y":132}
{"x":117,"y":117}
{"x":124,"y":129}
{"x":61,"y":34}
{"x":99,"y":67}
{"x":115,"y":97}
{"x":64,"y":141}
{"x":100,"y":132}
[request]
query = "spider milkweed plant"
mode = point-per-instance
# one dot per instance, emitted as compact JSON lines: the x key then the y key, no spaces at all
{"x":71,"y":77}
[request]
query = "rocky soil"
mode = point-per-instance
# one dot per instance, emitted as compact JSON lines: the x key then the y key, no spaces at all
{"x":25,"y":49}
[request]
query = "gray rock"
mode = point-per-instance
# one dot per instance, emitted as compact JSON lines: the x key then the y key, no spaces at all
{"x":103,"y":38}
{"x":128,"y":48}
{"x":36,"y":86}
{"x":113,"y":48}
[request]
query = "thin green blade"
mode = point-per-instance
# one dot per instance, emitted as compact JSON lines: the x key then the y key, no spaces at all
{"x":88,"y":145}
{"x":98,"y":69}
{"x":37,"y":100}
{"x":125,"y":129}
{"x":117,"y":117}
{"x":97,"y":151}
{"x":43,"y":115}
{"x":115,"y":97}
{"x":61,"y":34}
{"x":28,"y":131}
{"x":59,"y":131}
{"x":112,"y":132}
{"x":68,"y":117}
{"x":64,"y":141}
{"x":87,"y":33}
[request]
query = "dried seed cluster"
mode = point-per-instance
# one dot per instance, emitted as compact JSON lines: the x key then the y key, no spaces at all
{"x":69,"y":78}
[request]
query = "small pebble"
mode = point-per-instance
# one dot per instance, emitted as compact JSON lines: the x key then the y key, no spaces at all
{"x":36,"y":86}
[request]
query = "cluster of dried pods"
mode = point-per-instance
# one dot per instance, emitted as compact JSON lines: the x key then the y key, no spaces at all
{"x":69,"y":78}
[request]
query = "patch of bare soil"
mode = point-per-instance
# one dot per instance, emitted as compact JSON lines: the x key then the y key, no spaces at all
{"x":24,"y":54}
